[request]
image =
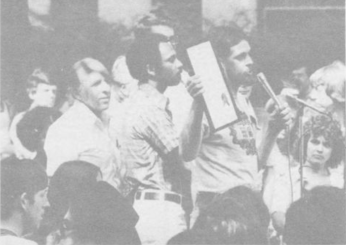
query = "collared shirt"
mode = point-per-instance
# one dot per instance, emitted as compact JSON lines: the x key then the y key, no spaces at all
{"x":80,"y":135}
{"x":228,"y":157}
{"x":148,"y":135}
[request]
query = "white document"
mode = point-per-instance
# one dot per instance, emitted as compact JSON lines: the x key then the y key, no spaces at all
{"x":217,"y":97}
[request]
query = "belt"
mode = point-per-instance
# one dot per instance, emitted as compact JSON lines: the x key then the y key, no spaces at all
{"x":152,"y":195}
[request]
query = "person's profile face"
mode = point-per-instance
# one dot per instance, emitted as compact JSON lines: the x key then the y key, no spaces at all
{"x":318,"y":151}
{"x":37,"y":208}
{"x":239,"y":63}
{"x":94,"y":89}
{"x":44,"y":95}
{"x":171,"y":67}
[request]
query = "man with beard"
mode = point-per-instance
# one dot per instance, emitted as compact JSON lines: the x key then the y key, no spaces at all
{"x":150,"y":141}
{"x":24,"y":185}
{"x":229,"y":157}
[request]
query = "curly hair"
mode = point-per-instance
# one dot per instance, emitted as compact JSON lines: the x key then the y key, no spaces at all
{"x":224,"y":37}
{"x":330,"y":130}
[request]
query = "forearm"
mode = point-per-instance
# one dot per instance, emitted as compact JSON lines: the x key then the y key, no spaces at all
{"x":192,"y":133}
{"x":266,"y":145}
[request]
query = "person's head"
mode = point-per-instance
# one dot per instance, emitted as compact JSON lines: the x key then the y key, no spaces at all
{"x":123,"y":83}
{"x":69,"y":179}
{"x":23,"y":192}
{"x":238,"y":216}
{"x":323,"y":143}
{"x":90,"y":84}
{"x":300,"y":78}
{"x":32,"y":129}
{"x":328,"y":85}
{"x":41,"y":90}
{"x":99,"y":215}
{"x":232,"y":48}
{"x":152,"y":56}
{"x":317,"y":218}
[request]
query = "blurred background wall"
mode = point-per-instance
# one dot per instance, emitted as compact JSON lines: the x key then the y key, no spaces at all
{"x":55,"y":33}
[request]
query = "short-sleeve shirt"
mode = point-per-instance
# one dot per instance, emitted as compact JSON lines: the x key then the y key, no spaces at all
{"x":228,"y":158}
{"x":148,"y":135}
{"x":80,"y":135}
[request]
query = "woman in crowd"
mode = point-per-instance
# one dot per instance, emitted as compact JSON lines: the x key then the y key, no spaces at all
{"x":323,"y":149}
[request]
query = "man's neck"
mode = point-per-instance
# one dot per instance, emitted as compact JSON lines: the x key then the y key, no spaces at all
{"x":157,"y":85}
{"x":14,"y":224}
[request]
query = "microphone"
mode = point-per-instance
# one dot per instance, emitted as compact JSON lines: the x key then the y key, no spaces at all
{"x":303,"y":103}
{"x":263,"y":81}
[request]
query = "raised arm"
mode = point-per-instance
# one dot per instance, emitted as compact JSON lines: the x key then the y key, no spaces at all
{"x":279,"y":118}
{"x":192,"y":133}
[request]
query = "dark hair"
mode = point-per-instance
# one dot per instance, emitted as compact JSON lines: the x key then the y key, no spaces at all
{"x":223,"y":38}
{"x":238,"y":216}
{"x":18,"y":177}
{"x":317,"y":218}
{"x":144,"y":51}
{"x":33,"y":127}
{"x":100,"y":214}
{"x":321,"y":126}
{"x":67,"y":181}
{"x":38,"y":76}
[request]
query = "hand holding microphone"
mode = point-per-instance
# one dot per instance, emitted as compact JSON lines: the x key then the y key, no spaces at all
{"x":280,"y":113}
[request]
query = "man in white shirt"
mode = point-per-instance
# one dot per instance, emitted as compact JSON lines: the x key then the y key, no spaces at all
{"x":80,"y":134}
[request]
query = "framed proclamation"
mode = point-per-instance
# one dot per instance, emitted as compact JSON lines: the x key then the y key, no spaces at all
{"x":221,"y":110}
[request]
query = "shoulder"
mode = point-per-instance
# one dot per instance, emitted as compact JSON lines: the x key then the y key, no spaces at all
{"x":13,"y":240}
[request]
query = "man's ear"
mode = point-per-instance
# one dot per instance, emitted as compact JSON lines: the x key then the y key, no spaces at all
{"x":32,"y":94}
{"x":151,"y":70}
{"x":24,"y":201}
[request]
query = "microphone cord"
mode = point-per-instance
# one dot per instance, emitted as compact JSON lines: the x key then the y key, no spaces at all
{"x":289,"y":162}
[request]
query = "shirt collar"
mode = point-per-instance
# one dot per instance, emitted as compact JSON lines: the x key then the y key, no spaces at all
{"x":86,"y":115}
{"x":159,"y":99}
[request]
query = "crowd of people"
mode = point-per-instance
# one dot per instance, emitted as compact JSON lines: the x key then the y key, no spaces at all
{"x":131,"y":158}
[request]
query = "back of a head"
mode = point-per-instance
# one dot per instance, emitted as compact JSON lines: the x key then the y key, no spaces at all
{"x":120,"y":71}
{"x":334,"y":77}
{"x":33,"y":127}
{"x":223,"y":38}
{"x":18,"y":177}
{"x":317,"y":218}
{"x":103,"y":216}
{"x":67,"y":181}
{"x":238,"y":216}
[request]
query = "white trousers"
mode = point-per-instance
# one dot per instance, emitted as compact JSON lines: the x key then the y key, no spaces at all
{"x":159,"y":220}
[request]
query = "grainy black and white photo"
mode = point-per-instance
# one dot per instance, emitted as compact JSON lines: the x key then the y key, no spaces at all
{"x":178,"y":122}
